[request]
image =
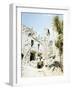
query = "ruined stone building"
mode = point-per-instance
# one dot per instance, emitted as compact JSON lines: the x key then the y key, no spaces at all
{"x":32,"y":45}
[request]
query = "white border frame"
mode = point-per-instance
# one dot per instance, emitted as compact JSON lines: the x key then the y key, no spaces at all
{"x":15,"y":45}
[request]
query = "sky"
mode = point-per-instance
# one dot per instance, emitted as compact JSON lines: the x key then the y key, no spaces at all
{"x":38,"y":21}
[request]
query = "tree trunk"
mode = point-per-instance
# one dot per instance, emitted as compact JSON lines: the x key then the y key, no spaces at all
{"x":61,"y":63}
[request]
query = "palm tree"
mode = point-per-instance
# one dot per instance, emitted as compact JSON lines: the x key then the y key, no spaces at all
{"x":58,"y":24}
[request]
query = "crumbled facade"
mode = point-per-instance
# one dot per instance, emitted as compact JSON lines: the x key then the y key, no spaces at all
{"x":32,"y":44}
